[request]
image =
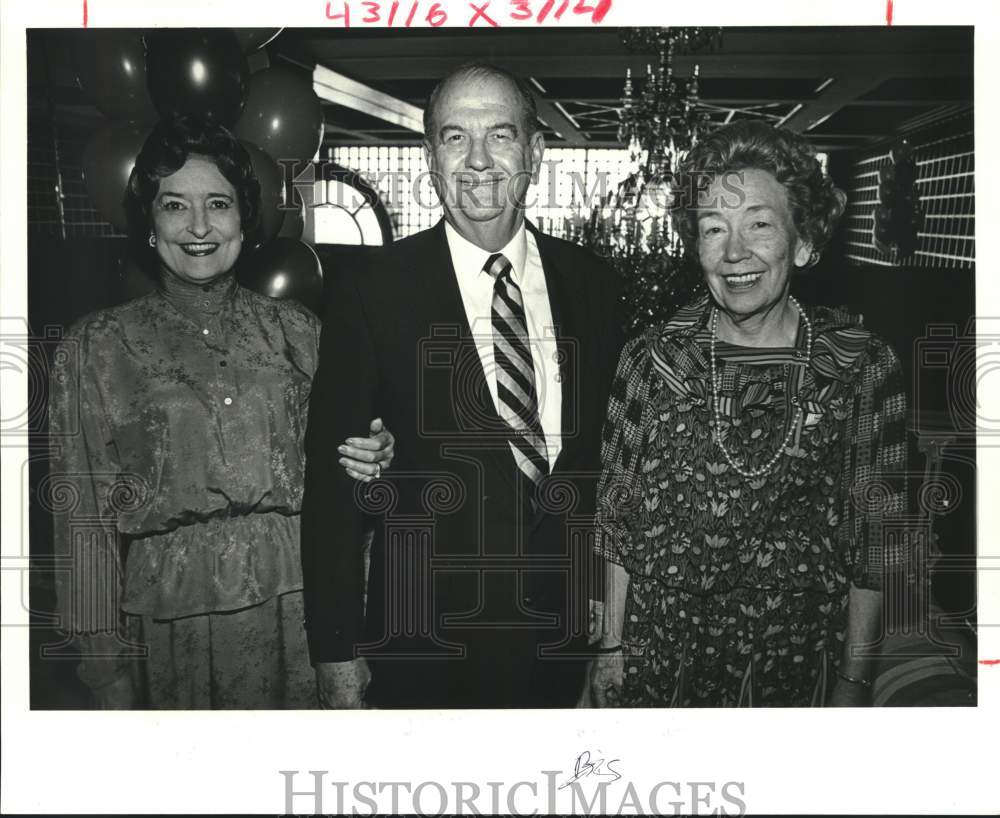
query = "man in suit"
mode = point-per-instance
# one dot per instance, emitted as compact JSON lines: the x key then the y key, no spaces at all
{"x":488,"y":348}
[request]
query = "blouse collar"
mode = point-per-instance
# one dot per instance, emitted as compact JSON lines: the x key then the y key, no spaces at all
{"x":679,"y":348}
{"x":198,"y":300}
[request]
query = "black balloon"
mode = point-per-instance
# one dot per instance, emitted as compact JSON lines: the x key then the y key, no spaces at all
{"x":111,"y":69}
{"x":272,"y":192}
{"x":132,"y":281}
{"x":294,"y":222}
{"x":285,"y":268}
{"x":108,"y":158}
{"x":283,"y":115}
{"x":199,"y":73}
{"x":250,"y":39}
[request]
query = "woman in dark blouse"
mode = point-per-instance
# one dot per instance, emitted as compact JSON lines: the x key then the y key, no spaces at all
{"x":178,"y":421}
{"x":752,"y":450}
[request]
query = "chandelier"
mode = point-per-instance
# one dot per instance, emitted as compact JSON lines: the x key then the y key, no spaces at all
{"x":660,"y":119}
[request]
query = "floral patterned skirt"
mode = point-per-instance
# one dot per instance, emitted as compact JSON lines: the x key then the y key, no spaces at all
{"x":749,"y":647}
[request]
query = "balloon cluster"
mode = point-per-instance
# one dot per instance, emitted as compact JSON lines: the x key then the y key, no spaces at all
{"x":133,"y":77}
{"x":898,"y":216}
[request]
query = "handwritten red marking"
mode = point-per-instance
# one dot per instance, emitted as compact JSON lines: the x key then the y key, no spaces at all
{"x":989,"y":661}
{"x":84,"y":13}
{"x":373,"y":12}
{"x":346,"y":16}
{"x":521,"y":11}
{"x":597,"y":12}
{"x":392,"y":11}
{"x":437,"y":16}
{"x":409,"y":18}
{"x":888,"y":13}
{"x":481,"y":12}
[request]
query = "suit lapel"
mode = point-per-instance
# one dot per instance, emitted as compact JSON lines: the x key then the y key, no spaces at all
{"x":563,"y":302}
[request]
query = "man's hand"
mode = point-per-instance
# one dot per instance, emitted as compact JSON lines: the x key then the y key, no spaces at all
{"x":365,"y":458}
{"x":342,"y":685}
{"x":117,"y":695}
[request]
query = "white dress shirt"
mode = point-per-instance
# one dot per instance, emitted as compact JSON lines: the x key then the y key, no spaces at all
{"x":476,"y":287}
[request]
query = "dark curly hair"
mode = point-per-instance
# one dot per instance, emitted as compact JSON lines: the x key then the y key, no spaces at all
{"x":165,"y":151}
{"x":815,"y":202}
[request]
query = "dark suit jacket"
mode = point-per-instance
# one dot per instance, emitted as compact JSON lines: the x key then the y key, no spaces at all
{"x":470,"y":586}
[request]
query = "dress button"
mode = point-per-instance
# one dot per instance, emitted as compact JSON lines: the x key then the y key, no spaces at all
{"x":222,"y":363}
{"x":204,"y":332}
{"x":228,"y":401}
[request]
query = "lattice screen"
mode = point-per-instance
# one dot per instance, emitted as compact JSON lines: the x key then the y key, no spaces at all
{"x":79,"y":216}
{"x":945,"y":159}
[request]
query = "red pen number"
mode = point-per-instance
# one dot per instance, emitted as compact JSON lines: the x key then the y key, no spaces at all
{"x":522,"y":10}
{"x":436,"y":16}
{"x":597,"y":12}
{"x":346,"y":16}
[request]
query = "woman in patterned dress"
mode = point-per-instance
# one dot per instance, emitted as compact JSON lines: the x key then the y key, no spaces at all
{"x":752,"y":448}
{"x":177,"y":423}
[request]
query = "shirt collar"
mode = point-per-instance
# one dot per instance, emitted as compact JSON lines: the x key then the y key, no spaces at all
{"x":198,"y":300}
{"x":469,"y":258}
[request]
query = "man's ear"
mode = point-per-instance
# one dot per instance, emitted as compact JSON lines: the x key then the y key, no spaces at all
{"x":536,"y":147}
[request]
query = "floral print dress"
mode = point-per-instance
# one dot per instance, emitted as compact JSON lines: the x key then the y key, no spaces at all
{"x":177,"y":424}
{"x":738,"y":587}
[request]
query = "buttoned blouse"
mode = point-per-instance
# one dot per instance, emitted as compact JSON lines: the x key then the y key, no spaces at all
{"x":177,"y":420}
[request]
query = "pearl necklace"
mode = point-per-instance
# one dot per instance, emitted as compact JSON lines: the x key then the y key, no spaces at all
{"x":764,"y":470}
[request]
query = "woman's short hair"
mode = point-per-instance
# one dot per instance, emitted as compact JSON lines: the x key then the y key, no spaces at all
{"x":815,"y":202}
{"x":171,"y":143}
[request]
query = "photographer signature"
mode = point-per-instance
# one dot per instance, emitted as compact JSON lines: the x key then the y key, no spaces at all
{"x":598,"y":768}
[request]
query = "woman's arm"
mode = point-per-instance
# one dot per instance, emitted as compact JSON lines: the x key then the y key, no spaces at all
{"x":853,"y":685}
{"x":621,"y":452}
{"x":84,"y":478}
{"x":879,"y":439}
{"x":615,"y":590}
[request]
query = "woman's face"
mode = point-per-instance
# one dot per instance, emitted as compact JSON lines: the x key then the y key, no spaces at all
{"x":747,"y":241}
{"x":196,"y":219}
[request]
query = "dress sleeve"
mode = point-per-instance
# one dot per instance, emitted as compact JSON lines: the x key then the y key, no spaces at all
{"x":622,"y":446}
{"x":878,"y":478}
{"x":83,"y":489}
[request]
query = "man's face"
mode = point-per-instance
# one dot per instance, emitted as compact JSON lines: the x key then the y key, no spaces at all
{"x":481,"y":159}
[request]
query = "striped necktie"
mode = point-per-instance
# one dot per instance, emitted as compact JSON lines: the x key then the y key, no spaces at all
{"x":516,"y":395}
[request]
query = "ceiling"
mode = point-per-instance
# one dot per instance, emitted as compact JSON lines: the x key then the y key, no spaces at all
{"x":847,"y":88}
